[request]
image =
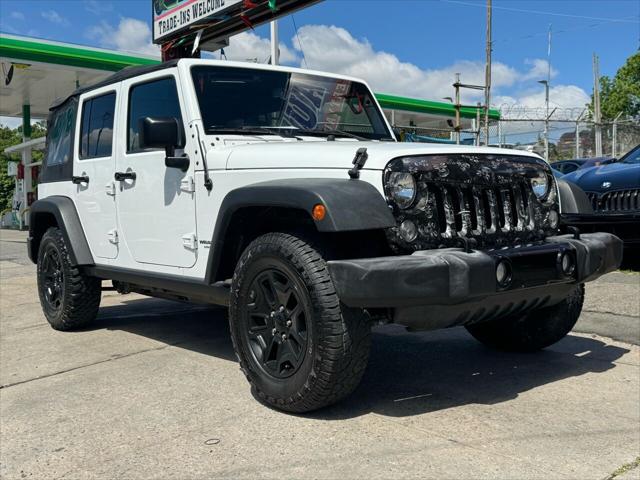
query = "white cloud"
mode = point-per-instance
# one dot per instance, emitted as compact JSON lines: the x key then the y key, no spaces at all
{"x":17,"y":16}
{"x":334,"y":49}
{"x":55,"y":17}
{"x":131,"y":35}
{"x":98,"y":8}
{"x":539,"y":69}
{"x":247,"y":46}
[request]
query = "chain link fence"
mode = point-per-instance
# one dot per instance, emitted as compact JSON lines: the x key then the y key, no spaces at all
{"x":568,"y":140}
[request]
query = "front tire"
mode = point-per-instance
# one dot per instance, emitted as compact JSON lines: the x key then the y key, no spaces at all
{"x":533,"y":331}
{"x":299,"y":347}
{"x":69,"y":299}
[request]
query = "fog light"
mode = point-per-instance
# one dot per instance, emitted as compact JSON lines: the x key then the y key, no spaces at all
{"x":408,"y":231}
{"x":503,"y":273}
{"x":567,"y":264}
{"x":554,"y":219}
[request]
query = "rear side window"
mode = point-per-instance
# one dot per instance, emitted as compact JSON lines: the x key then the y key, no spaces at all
{"x":57,"y":164}
{"x":96,"y":139}
{"x":60,"y":137}
{"x":158,"y":98}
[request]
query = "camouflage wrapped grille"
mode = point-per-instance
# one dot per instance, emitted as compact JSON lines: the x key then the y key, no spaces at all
{"x":486,"y":201}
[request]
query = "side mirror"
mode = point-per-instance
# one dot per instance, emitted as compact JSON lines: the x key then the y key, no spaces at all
{"x":167,"y":133}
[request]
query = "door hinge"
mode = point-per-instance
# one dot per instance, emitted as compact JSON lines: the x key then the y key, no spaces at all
{"x":110,"y":189}
{"x":190,"y":241}
{"x":188,"y":184}
{"x":113,"y":236}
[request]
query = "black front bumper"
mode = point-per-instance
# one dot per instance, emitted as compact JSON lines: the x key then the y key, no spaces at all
{"x":626,"y":226}
{"x":446,"y":287}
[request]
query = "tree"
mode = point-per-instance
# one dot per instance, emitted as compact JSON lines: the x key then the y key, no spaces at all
{"x":9,"y":137}
{"x":622,"y":94}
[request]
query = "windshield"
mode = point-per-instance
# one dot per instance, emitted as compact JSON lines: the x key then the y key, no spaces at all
{"x":632,"y":157}
{"x":234,"y":99}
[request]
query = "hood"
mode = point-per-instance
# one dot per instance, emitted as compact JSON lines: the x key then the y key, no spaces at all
{"x":614,"y":176}
{"x":339,"y":154}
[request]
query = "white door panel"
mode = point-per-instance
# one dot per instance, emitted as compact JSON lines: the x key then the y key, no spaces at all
{"x":95,"y":131}
{"x":156,"y":211}
{"x":97,"y":209}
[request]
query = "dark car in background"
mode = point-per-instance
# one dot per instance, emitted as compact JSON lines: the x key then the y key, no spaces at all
{"x":614,"y":192}
{"x":568,"y":166}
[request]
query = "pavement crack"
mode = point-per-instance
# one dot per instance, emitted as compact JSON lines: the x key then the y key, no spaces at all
{"x":79,"y":367}
{"x":627,"y":467}
{"x":607,"y":312}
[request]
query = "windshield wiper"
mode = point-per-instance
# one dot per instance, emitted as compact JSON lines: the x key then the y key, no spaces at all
{"x":250,"y":130}
{"x":334,"y":133}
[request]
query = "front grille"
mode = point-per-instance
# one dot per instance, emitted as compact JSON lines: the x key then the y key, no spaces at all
{"x":463,"y":211}
{"x":618,"y":201}
{"x":477,"y":201}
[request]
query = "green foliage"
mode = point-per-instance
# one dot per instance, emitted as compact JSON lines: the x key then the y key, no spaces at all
{"x":9,"y":137}
{"x":622,"y":93}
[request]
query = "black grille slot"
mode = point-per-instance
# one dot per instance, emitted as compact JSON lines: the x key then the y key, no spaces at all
{"x":618,"y":201}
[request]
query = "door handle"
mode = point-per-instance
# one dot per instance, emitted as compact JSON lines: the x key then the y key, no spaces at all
{"x":80,"y":179}
{"x":121,"y":176}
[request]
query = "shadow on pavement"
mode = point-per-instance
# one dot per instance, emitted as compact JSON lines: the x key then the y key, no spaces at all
{"x":408,"y":373}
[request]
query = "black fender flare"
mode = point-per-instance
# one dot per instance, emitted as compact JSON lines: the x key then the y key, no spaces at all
{"x":351,"y":205}
{"x":573,"y":200}
{"x":66,"y":216}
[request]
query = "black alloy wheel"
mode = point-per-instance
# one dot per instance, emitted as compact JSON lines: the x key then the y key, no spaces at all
{"x":69,"y":298}
{"x":53,"y":278}
{"x":298,"y":346}
{"x":277,"y":313}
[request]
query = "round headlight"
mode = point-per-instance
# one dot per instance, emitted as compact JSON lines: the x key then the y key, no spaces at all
{"x":541,"y":185}
{"x":402,"y":188}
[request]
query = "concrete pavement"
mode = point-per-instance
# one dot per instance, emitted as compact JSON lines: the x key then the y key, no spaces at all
{"x":153,"y":390}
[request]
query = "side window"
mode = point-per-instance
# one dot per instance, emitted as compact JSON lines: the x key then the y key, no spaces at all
{"x":158,"y":98}
{"x":96,"y":135}
{"x":60,"y":137}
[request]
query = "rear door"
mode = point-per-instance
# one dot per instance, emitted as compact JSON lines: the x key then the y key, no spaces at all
{"x":94,"y":165}
{"x":156,"y":210}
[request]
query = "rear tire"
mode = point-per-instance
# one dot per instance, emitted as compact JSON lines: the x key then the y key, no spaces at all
{"x":533,"y":331}
{"x":69,"y":298}
{"x":299,"y":347}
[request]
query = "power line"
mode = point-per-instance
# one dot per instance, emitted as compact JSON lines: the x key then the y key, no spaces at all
{"x":304,"y":58}
{"x":543,"y":12}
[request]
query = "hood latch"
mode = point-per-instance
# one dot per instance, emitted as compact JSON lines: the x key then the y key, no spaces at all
{"x":358,"y":162}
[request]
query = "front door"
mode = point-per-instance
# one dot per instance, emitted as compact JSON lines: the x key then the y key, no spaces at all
{"x":94,"y":164}
{"x":156,"y":209}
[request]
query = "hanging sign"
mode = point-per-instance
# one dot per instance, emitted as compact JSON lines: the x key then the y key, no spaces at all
{"x":171,"y":17}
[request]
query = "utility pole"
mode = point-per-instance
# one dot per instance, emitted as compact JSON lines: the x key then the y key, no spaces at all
{"x":275,"y":43}
{"x":458,"y":127}
{"x":457,"y":106}
{"x":487,"y":81}
{"x":614,"y":140}
{"x":578,"y":133}
{"x":597,"y":115}
{"x":546,"y":118}
{"x":478,"y":127}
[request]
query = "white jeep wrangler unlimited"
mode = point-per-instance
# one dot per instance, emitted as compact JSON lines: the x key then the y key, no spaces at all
{"x":282,"y":194}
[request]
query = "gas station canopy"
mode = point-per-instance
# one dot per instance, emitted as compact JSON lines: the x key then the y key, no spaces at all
{"x":37,"y":72}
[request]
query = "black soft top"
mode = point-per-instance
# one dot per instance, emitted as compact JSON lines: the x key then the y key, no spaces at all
{"x":123,"y":74}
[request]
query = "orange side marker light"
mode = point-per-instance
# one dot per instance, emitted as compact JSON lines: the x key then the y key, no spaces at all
{"x":318,"y":213}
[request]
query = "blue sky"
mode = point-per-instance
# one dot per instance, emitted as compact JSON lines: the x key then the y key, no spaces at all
{"x":407,"y":47}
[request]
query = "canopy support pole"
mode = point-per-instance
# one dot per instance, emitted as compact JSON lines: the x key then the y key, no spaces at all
{"x":27,"y":181}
